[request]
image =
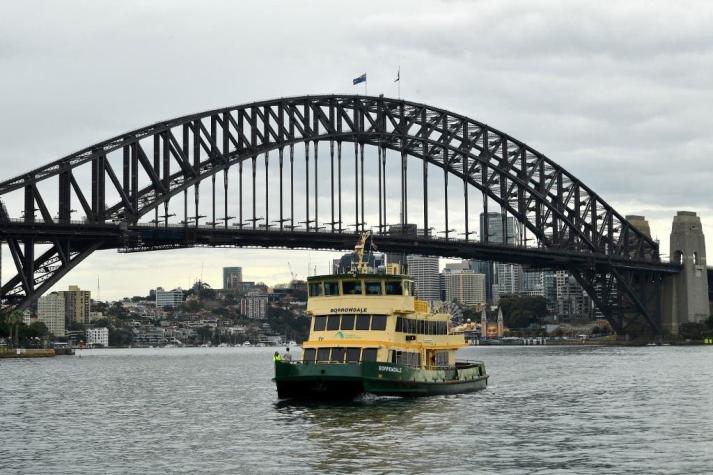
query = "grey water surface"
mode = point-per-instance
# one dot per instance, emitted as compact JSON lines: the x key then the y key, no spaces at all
{"x":546,"y":409}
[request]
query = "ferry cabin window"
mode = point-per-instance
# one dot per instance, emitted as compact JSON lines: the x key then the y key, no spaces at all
{"x":333,"y":322}
{"x":393,"y":288}
{"x":406,"y":358}
{"x":362,"y":322}
{"x":347,"y":322}
{"x":308,"y":354}
{"x":368,"y":354}
{"x":331,"y":288}
{"x":408,"y":288}
{"x":351,"y":287}
{"x":338,"y":355}
{"x":323,"y":354}
{"x":353,"y":355}
{"x":378,"y":322}
{"x":373,"y":287}
{"x":320,"y":323}
{"x":315,"y":289}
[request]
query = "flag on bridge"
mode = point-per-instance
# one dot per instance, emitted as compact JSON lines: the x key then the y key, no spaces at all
{"x":360,"y":79}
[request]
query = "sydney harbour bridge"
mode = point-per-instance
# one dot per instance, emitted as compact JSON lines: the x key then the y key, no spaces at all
{"x":293,"y":173}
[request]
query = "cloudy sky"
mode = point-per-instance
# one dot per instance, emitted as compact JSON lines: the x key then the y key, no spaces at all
{"x":619,"y":93}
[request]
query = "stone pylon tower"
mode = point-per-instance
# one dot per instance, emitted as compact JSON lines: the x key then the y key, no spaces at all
{"x":685,"y":295}
{"x":483,"y":324}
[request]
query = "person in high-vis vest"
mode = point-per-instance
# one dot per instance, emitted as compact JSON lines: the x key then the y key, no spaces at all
{"x":276,"y":356}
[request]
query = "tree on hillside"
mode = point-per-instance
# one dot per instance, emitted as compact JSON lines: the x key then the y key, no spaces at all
{"x":521,"y":312}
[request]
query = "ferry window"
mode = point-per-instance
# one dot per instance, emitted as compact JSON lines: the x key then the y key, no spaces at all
{"x":338,"y":355}
{"x":308,"y":354}
{"x":333,"y":322}
{"x":378,"y":322}
{"x":362,"y":322}
{"x":412,"y":288}
{"x":323,"y":354}
{"x":373,"y":287}
{"x":399,"y":324}
{"x":353,"y":355}
{"x":351,"y":287}
{"x":320,"y":323}
{"x":421,"y":327}
{"x":393,"y":288}
{"x":347,"y":322}
{"x":315,"y":289}
{"x":368,"y":354}
{"x":331,"y":288}
{"x":443,"y":328}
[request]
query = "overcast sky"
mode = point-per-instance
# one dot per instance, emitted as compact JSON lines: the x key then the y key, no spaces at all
{"x":619,"y":93}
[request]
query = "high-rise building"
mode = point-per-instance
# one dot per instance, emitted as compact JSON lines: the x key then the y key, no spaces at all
{"x":465,"y":287}
{"x":409,"y":230}
{"x":533,"y":283}
{"x":254,"y":304}
{"x":77,"y":305}
{"x":424,"y":270}
{"x":168,"y":298}
{"x":51,"y":311}
{"x":232,"y":277}
{"x":572,"y":301}
{"x":501,"y":278}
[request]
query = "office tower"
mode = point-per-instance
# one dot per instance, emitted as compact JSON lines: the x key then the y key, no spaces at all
{"x":424,"y":270}
{"x":232,"y":277}
{"x":465,"y":287}
{"x":51,"y":311}
{"x":77,"y":305}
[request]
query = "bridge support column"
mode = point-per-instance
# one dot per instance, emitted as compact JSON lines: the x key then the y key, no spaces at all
{"x":685,"y":295}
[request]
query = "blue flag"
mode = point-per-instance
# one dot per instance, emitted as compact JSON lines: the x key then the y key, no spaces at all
{"x":361,"y":78}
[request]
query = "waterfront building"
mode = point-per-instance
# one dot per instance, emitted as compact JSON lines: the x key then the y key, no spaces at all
{"x":168,"y":298}
{"x":254,"y":304}
{"x":424,"y":271}
{"x":98,"y":336}
{"x":232,"y":278}
{"x":77,"y":305}
{"x":465,"y":287}
{"x":51,"y":310}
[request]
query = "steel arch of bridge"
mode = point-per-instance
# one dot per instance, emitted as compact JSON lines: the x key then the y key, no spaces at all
{"x":560,"y":211}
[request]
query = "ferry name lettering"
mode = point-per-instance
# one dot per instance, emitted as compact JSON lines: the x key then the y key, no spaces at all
{"x":389,"y":368}
{"x":348,"y":310}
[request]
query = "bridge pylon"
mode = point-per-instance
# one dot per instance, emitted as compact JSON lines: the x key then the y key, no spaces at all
{"x":685,"y":295}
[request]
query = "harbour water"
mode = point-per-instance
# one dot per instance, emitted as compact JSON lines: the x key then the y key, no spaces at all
{"x":547,"y":409}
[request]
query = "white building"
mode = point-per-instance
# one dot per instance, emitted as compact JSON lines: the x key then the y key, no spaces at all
{"x":254,"y":304}
{"x":465,"y":287}
{"x":51,"y":311}
{"x":168,"y":298}
{"x":508,"y":278}
{"x":424,"y":271}
{"x":98,"y":336}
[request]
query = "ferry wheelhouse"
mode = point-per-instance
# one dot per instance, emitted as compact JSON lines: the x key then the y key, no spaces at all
{"x":369,"y":334}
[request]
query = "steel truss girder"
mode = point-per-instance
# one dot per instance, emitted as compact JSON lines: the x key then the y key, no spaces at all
{"x":560,"y":210}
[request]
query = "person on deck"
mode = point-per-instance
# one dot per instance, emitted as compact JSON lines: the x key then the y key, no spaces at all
{"x":276,"y":357}
{"x":287,"y":356}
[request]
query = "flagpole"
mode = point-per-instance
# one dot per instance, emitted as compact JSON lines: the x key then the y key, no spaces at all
{"x":399,"y":81}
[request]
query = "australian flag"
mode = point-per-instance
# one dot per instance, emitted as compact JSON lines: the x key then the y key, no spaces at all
{"x":360,"y":79}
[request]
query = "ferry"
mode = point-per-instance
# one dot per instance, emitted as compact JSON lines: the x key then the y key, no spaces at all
{"x":369,"y":334}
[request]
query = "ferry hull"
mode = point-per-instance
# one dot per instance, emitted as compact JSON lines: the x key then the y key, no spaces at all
{"x":346,"y":381}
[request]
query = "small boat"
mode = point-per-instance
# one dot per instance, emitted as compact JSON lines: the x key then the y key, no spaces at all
{"x":369,"y":334}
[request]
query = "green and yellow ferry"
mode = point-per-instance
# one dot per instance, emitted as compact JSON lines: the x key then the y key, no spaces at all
{"x":369,"y":334}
